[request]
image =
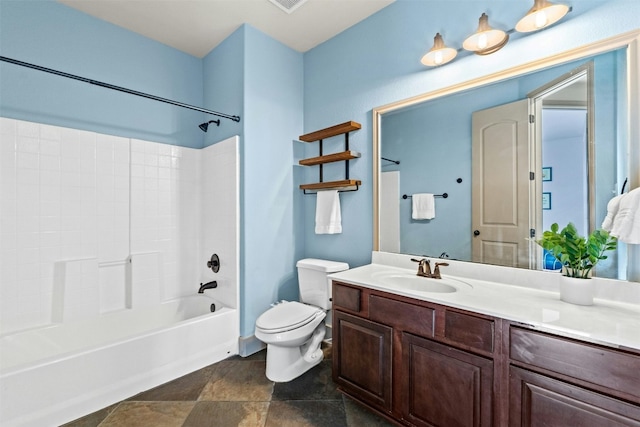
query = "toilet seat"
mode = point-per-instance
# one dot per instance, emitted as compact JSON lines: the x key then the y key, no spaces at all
{"x":287,"y":316}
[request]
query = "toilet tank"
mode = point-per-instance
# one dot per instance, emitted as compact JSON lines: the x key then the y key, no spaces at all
{"x":315,"y":286}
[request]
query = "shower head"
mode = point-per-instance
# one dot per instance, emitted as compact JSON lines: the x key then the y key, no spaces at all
{"x":205,"y":126}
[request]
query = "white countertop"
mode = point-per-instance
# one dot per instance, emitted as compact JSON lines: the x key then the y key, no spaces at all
{"x":610,"y":323}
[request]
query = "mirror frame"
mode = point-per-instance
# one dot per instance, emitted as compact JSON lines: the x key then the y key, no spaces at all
{"x":629,"y":40}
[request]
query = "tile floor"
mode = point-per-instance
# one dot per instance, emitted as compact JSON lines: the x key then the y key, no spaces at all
{"x":236,"y":392}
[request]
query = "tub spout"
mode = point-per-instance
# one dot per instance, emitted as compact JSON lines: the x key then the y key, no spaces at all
{"x":209,"y":285}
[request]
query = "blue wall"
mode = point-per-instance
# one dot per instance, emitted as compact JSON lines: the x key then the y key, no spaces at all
{"x":272,"y":238}
{"x":224,"y":87}
{"x":377,"y":62}
{"x":50,"y":35}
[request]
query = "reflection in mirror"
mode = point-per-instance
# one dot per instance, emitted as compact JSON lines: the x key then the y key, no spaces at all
{"x":514,"y":156}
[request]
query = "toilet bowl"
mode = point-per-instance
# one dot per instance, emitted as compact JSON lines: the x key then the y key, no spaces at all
{"x":285,"y":329}
{"x":292,"y":330}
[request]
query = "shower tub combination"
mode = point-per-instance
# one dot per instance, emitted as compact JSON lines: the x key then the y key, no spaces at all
{"x":58,"y":373}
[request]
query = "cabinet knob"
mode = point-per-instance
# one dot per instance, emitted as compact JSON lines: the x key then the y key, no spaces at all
{"x":476,"y":232}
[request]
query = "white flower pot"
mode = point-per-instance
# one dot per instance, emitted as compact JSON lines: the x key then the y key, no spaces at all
{"x":576,"y":291}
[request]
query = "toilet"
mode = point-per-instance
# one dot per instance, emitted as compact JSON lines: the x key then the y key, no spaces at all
{"x":292,"y":330}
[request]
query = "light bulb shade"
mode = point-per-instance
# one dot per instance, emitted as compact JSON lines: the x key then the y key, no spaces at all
{"x":439,"y":54}
{"x":485,"y":40}
{"x":541,"y":15}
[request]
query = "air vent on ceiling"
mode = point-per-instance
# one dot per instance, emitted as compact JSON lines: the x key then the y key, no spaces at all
{"x":288,"y":5}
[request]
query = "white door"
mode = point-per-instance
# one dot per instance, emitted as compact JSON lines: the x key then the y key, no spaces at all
{"x":500,"y":193}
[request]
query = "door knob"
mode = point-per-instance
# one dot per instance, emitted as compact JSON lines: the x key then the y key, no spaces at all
{"x":476,"y":232}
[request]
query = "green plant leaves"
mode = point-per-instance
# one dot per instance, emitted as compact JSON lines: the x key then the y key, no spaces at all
{"x":577,"y":254}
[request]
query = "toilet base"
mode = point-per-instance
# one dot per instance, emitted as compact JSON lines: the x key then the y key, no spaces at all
{"x":287,"y":363}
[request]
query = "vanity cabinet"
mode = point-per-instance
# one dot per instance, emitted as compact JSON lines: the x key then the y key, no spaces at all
{"x":415,"y":362}
{"x":424,"y":364}
{"x":560,"y":381}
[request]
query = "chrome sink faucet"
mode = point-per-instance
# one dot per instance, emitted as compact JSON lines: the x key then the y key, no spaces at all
{"x":424,"y":268}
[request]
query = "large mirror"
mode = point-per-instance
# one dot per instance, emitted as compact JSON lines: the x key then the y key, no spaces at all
{"x":508,"y":155}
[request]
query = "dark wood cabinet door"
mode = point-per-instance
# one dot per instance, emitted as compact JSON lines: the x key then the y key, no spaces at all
{"x":444,"y":387}
{"x":538,"y":400}
{"x":362,"y":359}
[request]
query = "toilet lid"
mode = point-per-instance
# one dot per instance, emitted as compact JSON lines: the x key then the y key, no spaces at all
{"x":286,"y":316}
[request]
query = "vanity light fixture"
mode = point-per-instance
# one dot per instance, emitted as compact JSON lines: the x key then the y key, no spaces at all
{"x":439,"y":54}
{"x":541,"y":15}
{"x":485,"y":40}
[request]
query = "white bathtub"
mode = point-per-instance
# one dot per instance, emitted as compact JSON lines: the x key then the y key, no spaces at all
{"x":55,"y":374}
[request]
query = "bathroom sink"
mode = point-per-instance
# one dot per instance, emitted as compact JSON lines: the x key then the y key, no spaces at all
{"x":412,"y":282}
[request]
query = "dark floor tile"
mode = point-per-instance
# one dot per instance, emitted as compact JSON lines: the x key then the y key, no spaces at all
{"x":237,"y":380}
{"x":185,"y":388}
{"x":307,"y":413}
{"x":145,"y":414}
{"x":315,"y":384}
{"x":93,"y":419}
{"x":228,"y":414}
{"x":359,"y":416}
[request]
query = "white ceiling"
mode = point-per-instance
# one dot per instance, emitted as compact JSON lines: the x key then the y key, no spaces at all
{"x":198,"y":26}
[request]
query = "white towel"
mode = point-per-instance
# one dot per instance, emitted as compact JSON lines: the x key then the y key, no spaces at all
{"x":626,"y":222}
{"x":328,"y":218}
{"x":612,"y":211}
{"x":424,"y":206}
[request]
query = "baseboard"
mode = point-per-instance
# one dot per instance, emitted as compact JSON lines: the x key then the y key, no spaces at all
{"x":250,"y":345}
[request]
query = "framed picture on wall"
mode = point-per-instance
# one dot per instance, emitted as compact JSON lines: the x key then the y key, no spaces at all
{"x":546,"y":201}
{"x":546,"y":174}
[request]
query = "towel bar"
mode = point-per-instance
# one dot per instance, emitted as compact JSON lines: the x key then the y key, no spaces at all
{"x":443,"y":195}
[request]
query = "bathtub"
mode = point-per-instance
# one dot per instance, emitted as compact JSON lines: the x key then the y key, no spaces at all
{"x":55,"y":374}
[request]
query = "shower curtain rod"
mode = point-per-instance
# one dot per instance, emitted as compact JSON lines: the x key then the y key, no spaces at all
{"x":118,"y":88}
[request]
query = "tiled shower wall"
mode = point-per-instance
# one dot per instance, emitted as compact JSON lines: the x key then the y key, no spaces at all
{"x":72,"y":201}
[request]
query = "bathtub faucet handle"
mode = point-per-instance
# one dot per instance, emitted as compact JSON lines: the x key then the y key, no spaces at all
{"x":209,"y":285}
{"x":214,"y":263}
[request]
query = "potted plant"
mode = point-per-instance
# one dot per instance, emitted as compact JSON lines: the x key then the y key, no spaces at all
{"x":578,"y":255}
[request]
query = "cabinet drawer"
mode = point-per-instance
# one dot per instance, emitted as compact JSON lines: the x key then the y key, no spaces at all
{"x":471,"y":331}
{"x":404,"y":316}
{"x":538,"y":400}
{"x":613,"y":369}
{"x":346,"y":297}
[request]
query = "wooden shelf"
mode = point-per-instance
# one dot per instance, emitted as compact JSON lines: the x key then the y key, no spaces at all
{"x":329,"y":158}
{"x":331,"y":185}
{"x":330,"y":131}
{"x":344,"y":156}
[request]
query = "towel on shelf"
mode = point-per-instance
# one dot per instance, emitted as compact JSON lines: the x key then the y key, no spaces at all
{"x":626,"y":222}
{"x":328,"y":218}
{"x":423,"y":206}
